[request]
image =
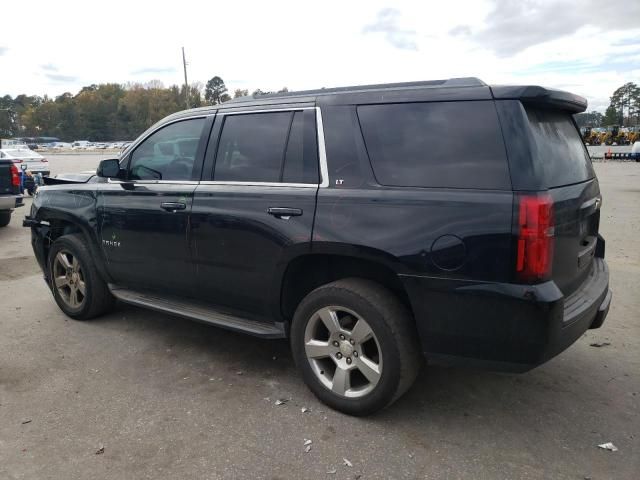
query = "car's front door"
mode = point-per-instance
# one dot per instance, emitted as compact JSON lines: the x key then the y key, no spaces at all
{"x":255,"y":208}
{"x":143,"y":218}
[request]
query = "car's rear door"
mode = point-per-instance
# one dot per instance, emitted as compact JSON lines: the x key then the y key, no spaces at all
{"x":143,"y":218}
{"x":558,"y":165}
{"x":255,"y":207}
{"x":564,"y":163}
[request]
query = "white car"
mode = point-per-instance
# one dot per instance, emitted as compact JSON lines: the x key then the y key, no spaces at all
{"x":35,"y":162}
{"x":81,"y":145}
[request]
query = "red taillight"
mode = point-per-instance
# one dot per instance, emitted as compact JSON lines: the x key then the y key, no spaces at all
{"x":15,"y":176}
{"x":535,"y":238}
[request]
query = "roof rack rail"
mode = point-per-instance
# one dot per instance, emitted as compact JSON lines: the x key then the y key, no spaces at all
{"x":451,"y":82}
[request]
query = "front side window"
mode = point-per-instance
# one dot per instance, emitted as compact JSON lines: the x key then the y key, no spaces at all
{"x":169,"y":153}
{"x":270,"y":147}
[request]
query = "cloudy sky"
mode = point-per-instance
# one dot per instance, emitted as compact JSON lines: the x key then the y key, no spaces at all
{"x":588,"y":47}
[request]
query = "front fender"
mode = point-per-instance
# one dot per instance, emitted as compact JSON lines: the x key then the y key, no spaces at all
{"x":58,"y":211}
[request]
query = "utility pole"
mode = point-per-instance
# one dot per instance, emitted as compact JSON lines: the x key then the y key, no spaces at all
{"x":186,"y":84}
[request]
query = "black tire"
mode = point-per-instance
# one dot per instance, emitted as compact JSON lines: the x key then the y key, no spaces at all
{"x":391,"y":323}
{"x":97,"y":298}
{"x":5,"y":218}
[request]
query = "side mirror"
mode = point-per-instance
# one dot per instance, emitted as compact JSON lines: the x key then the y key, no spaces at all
{"x":109,"y":168}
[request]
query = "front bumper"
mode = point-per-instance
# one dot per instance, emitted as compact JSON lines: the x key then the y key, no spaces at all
{"x":505,"y":327}
{"x":10,"y":202}
{"x":39,"y":233}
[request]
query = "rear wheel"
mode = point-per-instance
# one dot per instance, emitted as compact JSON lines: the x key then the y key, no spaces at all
{"x":356,"y":345}
{"x":5,"y":218}
{"x":77,"y":287}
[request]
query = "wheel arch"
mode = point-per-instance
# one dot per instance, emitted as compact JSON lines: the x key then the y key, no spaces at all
{"x":307,"y":272}
{"x":64,"y":223}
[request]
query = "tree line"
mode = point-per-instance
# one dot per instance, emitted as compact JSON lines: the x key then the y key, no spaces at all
{"x":623,"y":109}
{"x":107,"y":111}
{"x":111,"y":111}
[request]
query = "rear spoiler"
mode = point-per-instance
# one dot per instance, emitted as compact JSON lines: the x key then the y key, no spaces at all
{"x":541,"y":97}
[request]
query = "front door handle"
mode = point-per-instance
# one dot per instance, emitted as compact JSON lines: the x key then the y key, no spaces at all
{"x":173,"y":206}
{"x":283,"y":212}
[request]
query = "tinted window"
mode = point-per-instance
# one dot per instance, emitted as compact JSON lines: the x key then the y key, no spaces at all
{"x":446,"y":144}
{"x":251,"y":147}
{"x":268,"y":147}
{"x":346,"y":156}
{"x":301,"y":158}
{"x":168,"y":154}
{"x":560,"y":151}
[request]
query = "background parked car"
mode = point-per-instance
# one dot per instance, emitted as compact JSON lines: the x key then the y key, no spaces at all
{"x":35,"y":162}
{"x":81,"y":144}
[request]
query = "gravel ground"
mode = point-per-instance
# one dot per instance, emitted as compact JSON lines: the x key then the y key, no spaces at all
{"x":138,"y":394}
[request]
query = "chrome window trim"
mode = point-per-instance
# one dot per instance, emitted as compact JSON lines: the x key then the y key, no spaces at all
{"x":322,"y":152}
{"x":154,"y":182}
{"x":261,"y":184}
{"x":244,"y":112}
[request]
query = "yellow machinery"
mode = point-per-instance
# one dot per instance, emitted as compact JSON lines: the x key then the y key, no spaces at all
{"x":633,"y":135}
{"x":590,"y":136}
{"x":615,"y":135}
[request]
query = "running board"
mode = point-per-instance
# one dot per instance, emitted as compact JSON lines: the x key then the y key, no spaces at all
{"x":194,"y":310}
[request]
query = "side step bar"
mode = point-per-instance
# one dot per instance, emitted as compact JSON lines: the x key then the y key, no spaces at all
{"x":197,"y":311}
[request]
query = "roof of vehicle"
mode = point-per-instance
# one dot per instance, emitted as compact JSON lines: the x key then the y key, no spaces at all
{"x":469,"y":88}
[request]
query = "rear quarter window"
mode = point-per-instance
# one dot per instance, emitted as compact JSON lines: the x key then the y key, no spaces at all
{"x":559,"y":152}
{"x":443,"y":144}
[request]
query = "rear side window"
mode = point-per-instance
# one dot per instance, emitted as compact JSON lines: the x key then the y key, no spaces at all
{"x":444,"y":144}
{"x":559,"y":150}
{"x":251,"y":147}
{"x":268,"y":147}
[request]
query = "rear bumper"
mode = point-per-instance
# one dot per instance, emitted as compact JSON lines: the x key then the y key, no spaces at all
{"x":501,"y":326}
{"x":10,"y":202}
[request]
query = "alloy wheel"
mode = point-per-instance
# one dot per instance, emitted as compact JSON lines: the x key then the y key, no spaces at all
{"x":343,"y":352}
{"x":68,"y":279}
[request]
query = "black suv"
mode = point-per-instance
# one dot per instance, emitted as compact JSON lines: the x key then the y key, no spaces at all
{"x":370,"y":225}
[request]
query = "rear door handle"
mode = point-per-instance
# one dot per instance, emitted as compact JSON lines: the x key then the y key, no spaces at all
{"x":283,"y":212}
{"x":172,"y":206}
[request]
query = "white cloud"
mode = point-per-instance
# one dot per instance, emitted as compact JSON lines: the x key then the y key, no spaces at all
{"x":329,"y":43}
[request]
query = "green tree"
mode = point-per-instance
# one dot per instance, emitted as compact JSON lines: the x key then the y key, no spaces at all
{"x":239,"y":92}
{"x":214,"y":91}
{"x":591,"y":119}
{"x":626,"y":101}
{"x":8,"y":117}
{"x":611,"y":117}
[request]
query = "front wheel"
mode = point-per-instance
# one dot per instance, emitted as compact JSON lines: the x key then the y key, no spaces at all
{"x":356,"y":346}
{"x":77,"y":287}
